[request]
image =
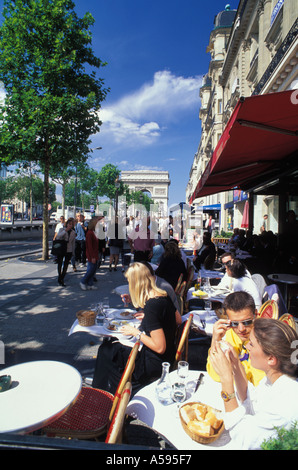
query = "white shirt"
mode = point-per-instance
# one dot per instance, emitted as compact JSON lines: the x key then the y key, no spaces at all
{"x":246,"y":284}
{"x":267,"y":406}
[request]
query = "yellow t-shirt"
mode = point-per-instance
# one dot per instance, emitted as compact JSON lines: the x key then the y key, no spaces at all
{"x":253,"y":375}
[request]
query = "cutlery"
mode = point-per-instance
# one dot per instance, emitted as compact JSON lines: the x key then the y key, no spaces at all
{"x":199,"y":381}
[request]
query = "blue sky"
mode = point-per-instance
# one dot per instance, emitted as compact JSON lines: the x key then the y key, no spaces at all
{"x":156,"y":57}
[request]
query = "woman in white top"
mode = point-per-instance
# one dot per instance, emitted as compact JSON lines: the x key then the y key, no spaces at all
{"x":241,"y":282}
{"x":252,"y":414}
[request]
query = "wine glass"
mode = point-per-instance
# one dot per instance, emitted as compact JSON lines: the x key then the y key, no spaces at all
{"x":178,"y":394}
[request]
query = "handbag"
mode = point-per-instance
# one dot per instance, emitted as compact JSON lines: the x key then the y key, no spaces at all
{"x":59,"y":247}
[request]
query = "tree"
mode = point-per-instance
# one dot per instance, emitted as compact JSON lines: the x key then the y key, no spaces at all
{"x":51,"y":102}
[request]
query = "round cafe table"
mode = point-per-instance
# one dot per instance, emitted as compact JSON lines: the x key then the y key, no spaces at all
{"x":40,"y":392}
{"x":286,"y":280}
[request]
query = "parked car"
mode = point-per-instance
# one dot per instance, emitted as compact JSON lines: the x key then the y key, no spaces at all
{"x":53,"y":216}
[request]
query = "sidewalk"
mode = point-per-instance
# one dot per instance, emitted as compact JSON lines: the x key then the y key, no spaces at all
{"x":36,"y":313}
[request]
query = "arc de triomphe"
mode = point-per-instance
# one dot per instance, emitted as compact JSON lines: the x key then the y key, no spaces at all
{"x":155,"y":182}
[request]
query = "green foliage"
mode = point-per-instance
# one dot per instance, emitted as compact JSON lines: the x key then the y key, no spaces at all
{"x":286,"y":439}
{"x":52,"y":100}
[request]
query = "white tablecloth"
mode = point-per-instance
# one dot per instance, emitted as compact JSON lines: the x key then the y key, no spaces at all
{"x":203,"y":319}
{"x":163,"y":419}
{"x":215,"y":294}
{"x":99,"y":330}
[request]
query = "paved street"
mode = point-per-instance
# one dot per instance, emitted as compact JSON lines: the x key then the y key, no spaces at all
{"x":36,"y":313}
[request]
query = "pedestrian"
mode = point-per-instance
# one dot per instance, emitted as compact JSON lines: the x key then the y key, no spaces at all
{"x":91,"y":255}
{"x":66,"y":234}
{"x":80,"y":244}
{"x":115,"y":244}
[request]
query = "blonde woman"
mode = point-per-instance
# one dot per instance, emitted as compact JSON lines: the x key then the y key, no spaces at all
{"x":156,"y":333}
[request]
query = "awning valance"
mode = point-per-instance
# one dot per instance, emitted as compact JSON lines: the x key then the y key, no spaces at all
{"x":259,"y":138}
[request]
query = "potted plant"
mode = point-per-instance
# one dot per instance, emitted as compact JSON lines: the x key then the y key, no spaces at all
{"x":286,"y":439}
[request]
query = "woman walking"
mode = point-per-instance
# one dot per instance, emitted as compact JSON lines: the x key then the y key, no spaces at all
{"x":92,"y":256}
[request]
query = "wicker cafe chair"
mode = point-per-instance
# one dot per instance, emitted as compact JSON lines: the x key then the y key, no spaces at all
{"x":289,"y":319}
{"x":115,"y":432}
{"x":181,"y":289}
{"x":179,"y":283}
{"x":269,"y":309}
{"x":93,"y":411}
{"x":182,"y":348}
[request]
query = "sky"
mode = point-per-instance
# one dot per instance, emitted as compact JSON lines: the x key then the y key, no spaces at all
{"x":156,"y":58}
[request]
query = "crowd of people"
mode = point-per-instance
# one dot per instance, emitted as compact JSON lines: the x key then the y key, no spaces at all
{"x":256,"y":369}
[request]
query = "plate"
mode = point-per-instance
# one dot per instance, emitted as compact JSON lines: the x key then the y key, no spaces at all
{"x":114,"y":326}
{"x":125,"y":314}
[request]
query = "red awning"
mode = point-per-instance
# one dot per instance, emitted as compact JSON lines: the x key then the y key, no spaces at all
{"x":262,"y":131}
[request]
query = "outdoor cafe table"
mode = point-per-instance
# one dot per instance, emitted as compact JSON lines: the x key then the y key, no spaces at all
{"x":163,"y":418}
{"x":203,"y":319}
{"x":286,"y":280}
{"x":101,"y":330}
{"x":40,"y":392}
{"x":215,"y":295}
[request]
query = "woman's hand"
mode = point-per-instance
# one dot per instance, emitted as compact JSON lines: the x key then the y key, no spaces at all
{"x":125,"y":298}
{"x":139,"y":315}
{"x":221,"y":362}
{"x":129,"y":330}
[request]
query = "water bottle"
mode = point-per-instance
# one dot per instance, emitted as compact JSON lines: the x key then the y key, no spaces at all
{"x":164,"y":387}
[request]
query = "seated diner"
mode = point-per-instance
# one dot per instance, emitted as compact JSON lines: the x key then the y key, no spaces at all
{"x":156,"y":333}
{"x":252,"y":414}
{"x":240,"y":310}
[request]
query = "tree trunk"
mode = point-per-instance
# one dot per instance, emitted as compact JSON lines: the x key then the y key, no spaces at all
{"x":45,"y":227}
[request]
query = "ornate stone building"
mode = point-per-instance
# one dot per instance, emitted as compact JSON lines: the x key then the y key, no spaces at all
{"x":254,"y":50}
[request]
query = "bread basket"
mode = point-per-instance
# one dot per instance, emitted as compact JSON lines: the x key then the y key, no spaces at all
{"x":197,"y":437}
{"x":86,"y":317}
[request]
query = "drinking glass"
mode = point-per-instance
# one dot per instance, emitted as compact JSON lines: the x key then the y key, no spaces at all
{"x":105,"y":307}
{"x":178,"y":394}
{"x":182,"y":370}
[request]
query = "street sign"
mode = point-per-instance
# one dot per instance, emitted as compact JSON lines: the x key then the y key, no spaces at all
{"x":91,"y":208}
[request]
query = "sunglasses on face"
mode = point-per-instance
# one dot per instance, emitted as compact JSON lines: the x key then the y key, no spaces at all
{"x":235,"y":324}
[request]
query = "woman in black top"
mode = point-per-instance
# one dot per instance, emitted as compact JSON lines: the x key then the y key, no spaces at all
{"x":156,"y":333}
{"x":171,"y":264}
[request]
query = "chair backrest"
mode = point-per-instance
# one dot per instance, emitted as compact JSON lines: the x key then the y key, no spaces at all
{"x":115,"y":432}
{"x":183,"y":341}
{"x":126,"y":376}
{"x":273,"y":292}
{"x":181,"y":289}
{"x":180,"y":303}
{"x":189,"y":278}
{"x":289,"y":319}
{"x":179,"y":282}
{"x":269,"y":309}
{"x":260,"y":283}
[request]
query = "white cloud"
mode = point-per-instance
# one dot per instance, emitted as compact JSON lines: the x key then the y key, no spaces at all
{"x":140,"y":117}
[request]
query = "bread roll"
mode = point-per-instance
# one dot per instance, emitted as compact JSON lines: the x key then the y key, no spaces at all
{"x":211,"y":419}
{"x":200,"y":410}
{"x":201,"y":428}
{"x":187,"y":413}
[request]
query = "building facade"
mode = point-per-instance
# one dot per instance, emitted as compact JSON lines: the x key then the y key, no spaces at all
{"x":254,"y":50}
